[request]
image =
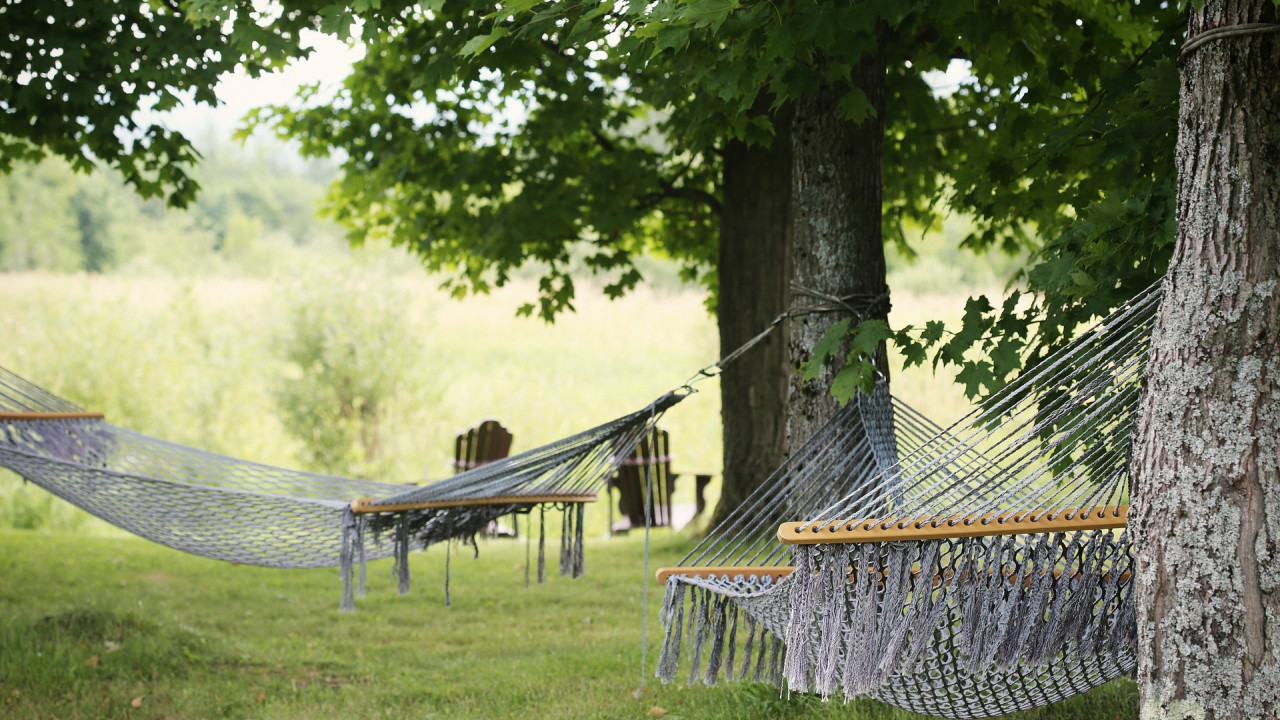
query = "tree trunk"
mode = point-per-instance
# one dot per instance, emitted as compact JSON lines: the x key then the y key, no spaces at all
{"x":755,"y":235}
{"x":1206,"y":467}
{"x":837,"y":247}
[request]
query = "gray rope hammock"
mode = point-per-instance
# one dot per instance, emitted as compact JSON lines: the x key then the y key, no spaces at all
{"x":966,"y":572}
{"x":244,"y":512}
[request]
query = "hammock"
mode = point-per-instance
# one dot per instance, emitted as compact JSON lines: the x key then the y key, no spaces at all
{"x":969,"y":572}
{"x":229,"y":509}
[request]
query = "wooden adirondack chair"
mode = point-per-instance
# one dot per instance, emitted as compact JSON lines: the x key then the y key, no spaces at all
{"x":481,"y":445}
{"x":653,"y":455}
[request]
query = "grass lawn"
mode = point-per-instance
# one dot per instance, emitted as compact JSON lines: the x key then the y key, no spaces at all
{"x":110,"y":626}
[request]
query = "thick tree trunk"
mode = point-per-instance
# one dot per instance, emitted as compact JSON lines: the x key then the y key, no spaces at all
{"x":754,"y":269}
{"x":837,"y":246}
{"x":1206,"y":465}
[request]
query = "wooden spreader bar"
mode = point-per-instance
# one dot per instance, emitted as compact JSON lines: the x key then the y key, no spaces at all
{"x":365,"y":505}
{"x":1014,"y":522}
{"x":777,"y":572}
{"x":7,"y":415}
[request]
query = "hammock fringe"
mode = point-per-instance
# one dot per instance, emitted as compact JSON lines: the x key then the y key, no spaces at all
{"x":1003,"y":602}
{"x":712,"y":622}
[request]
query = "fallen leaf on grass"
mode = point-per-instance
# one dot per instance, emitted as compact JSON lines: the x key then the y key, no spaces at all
{"x":136,"y":702}
{"x":93,"y":661}
{"x":111,"y":646}
{"x":262,"y":696}
{"x":656,"y":711}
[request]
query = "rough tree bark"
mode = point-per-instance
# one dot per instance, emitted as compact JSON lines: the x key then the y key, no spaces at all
{"x":837,"y":246}
{"x":1207,"y":469}
{"x":754,"y":269}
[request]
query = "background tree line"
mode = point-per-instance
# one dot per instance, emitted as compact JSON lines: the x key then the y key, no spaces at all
{"x":55,"y":219}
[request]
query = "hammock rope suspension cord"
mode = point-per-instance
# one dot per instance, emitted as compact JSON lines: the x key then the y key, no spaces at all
{"x":966,"y":572}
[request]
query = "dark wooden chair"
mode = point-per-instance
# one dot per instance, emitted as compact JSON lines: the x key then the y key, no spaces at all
{"x":652,"y":455}
{"x":481,"y":445}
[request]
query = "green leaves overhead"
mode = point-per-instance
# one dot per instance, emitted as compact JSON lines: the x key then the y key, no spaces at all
{"x":568,"y":134}
{"x":574,"y":135}
{"x":485,"y":144}
{"x":75,"y":75}
{"x":480,"y":43}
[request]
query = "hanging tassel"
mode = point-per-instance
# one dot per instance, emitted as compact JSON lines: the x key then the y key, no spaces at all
{"x":566,"y":540}
{"x":448,"y":601}
{"x":831,"y":598}
{"x":776,"y":660}
{"x":360,"y":556}
{"x":1124,"y":631}
{"x":733,"y":640}
{"x":348,"y":603}
{"x":401,"y":564}
{"x":579,"y":545}
{"x":698,"y":629}
{"x":746,"y":650}
{"x":542,"y":544}
{"x":860,"y":662}
{"x":1080,"y":609}
{"x":762,"y":666}
{"x":1002,"y":597}
{"x":975,"y":589}
{"x":716,"y":656}
{"x":929,"y":606}
{"x":1045,"y":599}
{"x":1094,"y":636}
{"x":802,"y":609}
{"x":528,"y":544}
{"x":896,"y":613}
{"x":672,"y":619}
{"x":1048,"y":642}
{"x":1100,"y":623}
{"x":1034,"y":603}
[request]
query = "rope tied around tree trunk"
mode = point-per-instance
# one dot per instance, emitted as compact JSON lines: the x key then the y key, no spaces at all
{"x":859,"y":305}
{"x":1221,"y":33}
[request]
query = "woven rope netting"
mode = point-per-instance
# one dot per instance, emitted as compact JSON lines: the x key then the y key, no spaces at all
{"x":229,"y":509}
{"x":967,"y":572}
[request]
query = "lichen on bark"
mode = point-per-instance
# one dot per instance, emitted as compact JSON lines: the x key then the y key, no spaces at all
{"x":1206,"y":509}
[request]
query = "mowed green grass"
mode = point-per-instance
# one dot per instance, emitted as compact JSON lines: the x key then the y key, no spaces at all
{"x":91,"y":627}
{"x":98,"y":624}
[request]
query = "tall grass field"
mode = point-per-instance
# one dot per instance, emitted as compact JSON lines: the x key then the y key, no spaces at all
{"x":95,"y":623}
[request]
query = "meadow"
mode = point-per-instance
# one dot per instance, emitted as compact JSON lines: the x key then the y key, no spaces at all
{"x":95,"y":623}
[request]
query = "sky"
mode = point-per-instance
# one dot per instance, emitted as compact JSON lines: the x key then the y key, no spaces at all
{"x":328,"y":64}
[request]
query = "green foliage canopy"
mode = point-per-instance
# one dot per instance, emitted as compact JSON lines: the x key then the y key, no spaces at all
{"x":568,"y":132}
{"x":1061,"y":142}
{"x":482,"y":157}
{"x":482,"y":140}
{"x":75,"y":76}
